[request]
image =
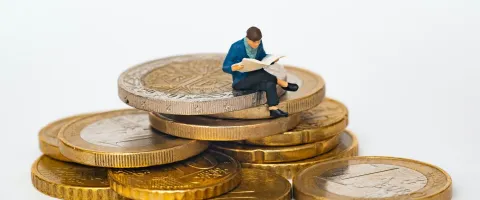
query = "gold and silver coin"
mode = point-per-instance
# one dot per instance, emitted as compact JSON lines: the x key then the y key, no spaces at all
{"x":48,"y":137}
{"x":71,"y":181}
{"x":123,"y":139}
{"x":207,"y":128}
{"x":185,"y":85}
{"x":347,"y":147}
{"x":310,"y":93}
{"x":260,"y":184}
{"x":326,"y":120}
{"x":264,"y":154}
{"x":373,"y":178}
{"x":204,"y":176}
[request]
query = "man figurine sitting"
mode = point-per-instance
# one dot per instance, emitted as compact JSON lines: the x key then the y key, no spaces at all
{"x":260,"y":80}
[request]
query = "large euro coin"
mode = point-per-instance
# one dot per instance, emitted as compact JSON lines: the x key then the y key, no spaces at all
{"x":185,"y":85}
{"x":363,"y":178}
{"x":123,"y":139}
{"x":204,"y":176}
{"x":212,"y":129}
{"x":310,"y":93}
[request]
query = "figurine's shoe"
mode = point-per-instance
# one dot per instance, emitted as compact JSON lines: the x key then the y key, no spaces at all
{"x":291,"y":87}
{"x":278,"y":113}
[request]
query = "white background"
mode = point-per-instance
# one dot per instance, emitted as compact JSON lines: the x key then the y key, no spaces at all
{"x":407,"y":70}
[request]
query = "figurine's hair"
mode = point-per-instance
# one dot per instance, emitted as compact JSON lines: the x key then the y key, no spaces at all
{"x":254,"y":34}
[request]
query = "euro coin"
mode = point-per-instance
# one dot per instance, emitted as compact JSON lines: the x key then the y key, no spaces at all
{"x":310,"y":93}
{"x":260,"y":184}
{"x":71,"y":181}
{"x":326,"y":120}
{"x":373,"y":178}
{"x":192,"y":84}
{"x":204,"y":176}
{"x":123,"y":139}
{"x":347,"y":147}
{"x":207,"y":128}
{"x":264,"y":154}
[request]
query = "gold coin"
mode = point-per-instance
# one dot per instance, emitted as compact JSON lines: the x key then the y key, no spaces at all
{"x":310,"y":93}
{"x":48,"y":137}
{"x":260,"y":184}
{"x":326,"y":120}
{"x":204,"y":176}
{"x":207,"y":128}
{"x":185,"y":85}
{"x":373,"y":178}
{"x":265,"y":154}
{"x":71,"y":181}
{"x":123,"y":139}
{"x":347,"y":147}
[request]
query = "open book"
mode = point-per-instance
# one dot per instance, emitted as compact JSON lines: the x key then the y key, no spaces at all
{"x":250,"y":64}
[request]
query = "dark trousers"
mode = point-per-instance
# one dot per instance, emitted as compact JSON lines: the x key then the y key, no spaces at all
{"x":260,"y":80}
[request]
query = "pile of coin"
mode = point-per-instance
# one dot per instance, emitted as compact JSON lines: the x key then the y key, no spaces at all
{"x":190,"y":136}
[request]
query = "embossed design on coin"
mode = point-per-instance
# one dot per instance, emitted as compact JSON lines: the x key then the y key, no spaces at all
{"x":371,"y":180}
{"x":370,"y":177}
{"x":123,"y":139}
{"x":203,"y":176}
{"x":121,"y":131}
{"x":186,"y":85}
{"x":53,"y":177}
{"x":260,"y":184}
{"x":326,"y":113}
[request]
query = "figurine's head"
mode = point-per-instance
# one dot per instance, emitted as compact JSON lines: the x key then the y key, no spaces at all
{"x":254,"y":37}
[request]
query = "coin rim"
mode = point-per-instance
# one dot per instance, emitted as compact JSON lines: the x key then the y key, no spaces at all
{"x":222,"y":133}
{"x":263,"y":154}
{"x":290,"y":169}
{"x":208,"y":191}
{"x":183,"y":107}
{"x":60,"y":190}
{"x":124,"y":159}
{"x":443,"y":194}
{"x":47,"y":147}
{"x":292,"y":106}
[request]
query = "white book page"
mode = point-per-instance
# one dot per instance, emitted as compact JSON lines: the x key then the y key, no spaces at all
{"x":250,"y":64}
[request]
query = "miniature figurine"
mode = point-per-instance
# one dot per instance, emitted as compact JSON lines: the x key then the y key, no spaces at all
{"x":251,"y":46}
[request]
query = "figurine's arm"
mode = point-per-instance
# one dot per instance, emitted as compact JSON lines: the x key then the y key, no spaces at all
{"x":229,"y":60}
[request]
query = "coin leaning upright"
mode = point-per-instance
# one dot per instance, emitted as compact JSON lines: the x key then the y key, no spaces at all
{"x":204,"y":176}
{"x":71,"y":181}
{"x":123,"y":139}
{"x":212,"y":129}
{"x":48,"y":137}
{"x":310,"y":93}
{"x":326,"y":120}
{"x":192,"y":84}
{"x":264,"y":154}
{"x":260,"y":184}
{"x":347,"y":147}
{"x":373,"y":177}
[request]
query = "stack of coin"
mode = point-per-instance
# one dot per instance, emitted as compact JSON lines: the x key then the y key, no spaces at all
{"x":190,"y":135}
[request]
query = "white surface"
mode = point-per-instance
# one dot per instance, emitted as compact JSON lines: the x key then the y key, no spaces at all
{"x":408,"y":70}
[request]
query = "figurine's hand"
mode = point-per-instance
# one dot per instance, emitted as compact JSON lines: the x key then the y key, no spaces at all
{"x":237,"y":67}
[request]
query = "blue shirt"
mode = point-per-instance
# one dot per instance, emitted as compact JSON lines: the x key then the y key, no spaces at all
{"x":236,"y":53}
